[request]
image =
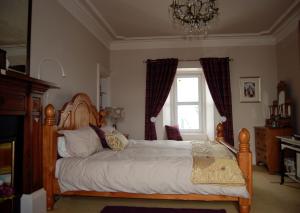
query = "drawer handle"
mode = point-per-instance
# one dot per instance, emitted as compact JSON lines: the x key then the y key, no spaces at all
{"x":2,"y":100}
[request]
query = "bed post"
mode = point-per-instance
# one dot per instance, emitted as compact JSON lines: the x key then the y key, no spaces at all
{"x":245,"y":162}
{"x":49,"y":153}
{"x":220,"y":132}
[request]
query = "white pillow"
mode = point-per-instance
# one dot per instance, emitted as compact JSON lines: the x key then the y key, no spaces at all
{"x":116,"y":141}
{"x":61,"y":147}
{"x":81,"y":142}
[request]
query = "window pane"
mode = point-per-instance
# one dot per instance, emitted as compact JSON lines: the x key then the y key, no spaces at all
{"x":187,"y":89}
{"x":188,"y":117}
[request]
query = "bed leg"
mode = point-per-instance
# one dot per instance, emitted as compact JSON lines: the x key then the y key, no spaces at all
{"x":244,"y":205}
{"x":50,"y":202}
{"x":244,"y":209}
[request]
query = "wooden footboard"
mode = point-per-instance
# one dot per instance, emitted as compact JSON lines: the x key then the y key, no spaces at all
{"x":69,"y":119}
{"x":244,"y":157}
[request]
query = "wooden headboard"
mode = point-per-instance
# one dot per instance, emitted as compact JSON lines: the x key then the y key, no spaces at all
{"x":78,"y":112}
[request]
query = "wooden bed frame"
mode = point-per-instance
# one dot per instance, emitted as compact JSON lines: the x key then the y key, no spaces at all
{"x":80,"y":112}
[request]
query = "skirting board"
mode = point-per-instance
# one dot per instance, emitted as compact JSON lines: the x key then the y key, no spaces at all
{"x":34,"y":202}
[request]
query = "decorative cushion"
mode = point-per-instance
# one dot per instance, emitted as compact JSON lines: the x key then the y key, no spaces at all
{"x":81,"y":142}
{"x":61,"y":147}
{"x":116,"y":141}
{"x":101,"y":135}
{"x":173,"y":133}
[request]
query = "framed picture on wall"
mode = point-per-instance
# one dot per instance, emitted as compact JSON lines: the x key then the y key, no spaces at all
{"x":250,"y":90}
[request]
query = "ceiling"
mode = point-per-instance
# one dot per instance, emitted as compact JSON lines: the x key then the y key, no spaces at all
{"x":121,"y":20}
{"x":130,"y":19}
{"x":134,"y":19}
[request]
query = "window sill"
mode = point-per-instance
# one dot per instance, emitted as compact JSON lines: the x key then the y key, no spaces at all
{"x":194,"y":136}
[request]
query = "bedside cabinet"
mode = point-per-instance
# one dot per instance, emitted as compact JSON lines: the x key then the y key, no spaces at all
{"x":267,"y":148}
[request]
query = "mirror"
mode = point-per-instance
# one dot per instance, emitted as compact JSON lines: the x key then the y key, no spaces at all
{"x":281,"y":92}
{"x":15,"y":22}
{"x":281,"y":97}
{"x":281,"y":109}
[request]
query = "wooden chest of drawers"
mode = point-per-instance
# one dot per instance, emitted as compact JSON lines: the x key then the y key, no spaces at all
{"x":267,"y":147}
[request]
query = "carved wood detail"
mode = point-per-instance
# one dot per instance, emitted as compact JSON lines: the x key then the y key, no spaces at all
{"x":78,"y":112}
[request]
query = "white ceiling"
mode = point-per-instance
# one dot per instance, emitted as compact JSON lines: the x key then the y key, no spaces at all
{"x":150,"y":18}
{"x":132,"y":19}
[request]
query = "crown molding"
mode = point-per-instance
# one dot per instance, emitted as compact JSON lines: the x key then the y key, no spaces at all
{"x":286,"y":29}
{"x":283,"y":19}
{"x":93,"y":10}
{"x":84,"y":16}
{"x":288,"y":26}
{"x":181,"y":42}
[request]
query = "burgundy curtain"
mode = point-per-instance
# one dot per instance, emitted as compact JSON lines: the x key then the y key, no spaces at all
{"x":216,"y":71}
{"x":160,"y":76}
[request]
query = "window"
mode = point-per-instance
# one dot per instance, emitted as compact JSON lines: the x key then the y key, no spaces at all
{"x":188,"y":101}
{"x":190,"y":105}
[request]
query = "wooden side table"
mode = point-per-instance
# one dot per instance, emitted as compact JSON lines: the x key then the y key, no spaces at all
{"x":292,"y":144}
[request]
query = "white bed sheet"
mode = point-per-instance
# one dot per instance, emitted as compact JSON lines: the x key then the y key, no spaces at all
{"x":147,"y":167}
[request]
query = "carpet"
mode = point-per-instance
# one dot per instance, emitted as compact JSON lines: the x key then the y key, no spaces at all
{"x":128,"y":209}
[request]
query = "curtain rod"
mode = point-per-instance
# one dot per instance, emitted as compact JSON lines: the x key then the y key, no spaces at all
{"x":145,"y":61}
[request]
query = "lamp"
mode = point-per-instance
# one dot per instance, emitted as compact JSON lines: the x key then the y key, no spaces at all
{"x":115,"y":114}
{"x":61,"y":69}
{"x":194,"y":15}
{"x":54,"y":60}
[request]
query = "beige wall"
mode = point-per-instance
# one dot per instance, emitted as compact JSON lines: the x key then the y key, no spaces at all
{"x":56,"y":34}
{"x":128,"y":79}
{"x":289,"y":70}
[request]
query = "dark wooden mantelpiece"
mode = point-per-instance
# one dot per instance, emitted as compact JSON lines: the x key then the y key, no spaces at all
{"x":22,"y":95}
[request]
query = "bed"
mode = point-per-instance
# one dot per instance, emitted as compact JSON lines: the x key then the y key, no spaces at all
{"x":80,"y":112}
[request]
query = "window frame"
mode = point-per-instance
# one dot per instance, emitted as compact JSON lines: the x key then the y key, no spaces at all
{"x":188,"y":73}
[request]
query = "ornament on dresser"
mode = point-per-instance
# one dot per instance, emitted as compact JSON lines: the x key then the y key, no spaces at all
{"x":280,"y":112}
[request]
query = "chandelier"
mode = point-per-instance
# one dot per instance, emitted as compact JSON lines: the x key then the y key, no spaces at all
{"x":193,"y":15}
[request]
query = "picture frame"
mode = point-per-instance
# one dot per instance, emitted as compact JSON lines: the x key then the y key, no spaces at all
{"x":250,"y":89}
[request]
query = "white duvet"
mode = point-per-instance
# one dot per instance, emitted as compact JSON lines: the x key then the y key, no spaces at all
{"x":147,"y":167}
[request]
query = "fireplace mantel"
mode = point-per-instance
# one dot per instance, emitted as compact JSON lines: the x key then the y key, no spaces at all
{"x":22,"y":95}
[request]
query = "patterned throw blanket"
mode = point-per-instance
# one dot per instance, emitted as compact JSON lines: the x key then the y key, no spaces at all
{"x":213,"y":163}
